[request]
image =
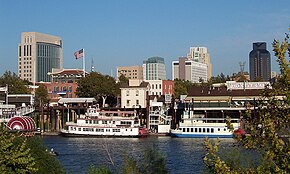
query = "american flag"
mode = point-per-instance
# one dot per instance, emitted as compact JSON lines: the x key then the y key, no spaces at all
{"x":79,"y":54}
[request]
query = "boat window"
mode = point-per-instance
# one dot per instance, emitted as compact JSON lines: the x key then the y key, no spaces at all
{"x":116,"y":130}
{"x":126,"y":122}
{"x":113,"y":122}
{"x":225,"y":129}
{"x":126,"y":129}
{"x":195,"y":129}
{"x":71,"y":128}
{"x":87,"y":121}
{"x":187,"y":129}
{"x":199,"y":129}
{"x":131,"y":130}
{"x":191,"y":129}
{"x":207,"y":130}
{"x":90,"y":121}
{"x":107,"y":130}
{"x":211,"y":130}
{"x":203,"y":130}
{"x":183,"y":130}
{"x":219,"y":129}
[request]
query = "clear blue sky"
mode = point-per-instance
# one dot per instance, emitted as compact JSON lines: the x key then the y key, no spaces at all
{"x":126,"y":32}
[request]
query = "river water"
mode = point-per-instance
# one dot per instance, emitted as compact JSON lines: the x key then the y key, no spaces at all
{"x":76,"y":154}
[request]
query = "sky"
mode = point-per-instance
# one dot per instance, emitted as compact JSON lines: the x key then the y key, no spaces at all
{"x":127,"y":32}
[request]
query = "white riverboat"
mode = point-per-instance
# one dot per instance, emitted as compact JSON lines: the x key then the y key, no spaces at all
{"x":106,"y":124}
{"x":197,"y":126}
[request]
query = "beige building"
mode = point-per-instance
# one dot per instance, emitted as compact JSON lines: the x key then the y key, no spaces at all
{"x":38,"y":53}
{"x":131,"y":72}
{"x":201,"y":54}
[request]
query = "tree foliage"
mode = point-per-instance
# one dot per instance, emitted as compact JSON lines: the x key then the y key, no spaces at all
{"x":15,"y":155}
{"x":181,"y":87}
{"x":269,"y":129}
{"x":97,"y":85}
{"x":15,"y":84}
{"x":152,"y":162}
{"x":44,"y":161}
{"x":221,"y":78}
{"x":41,"y":94}
{"x":19,"y":154}
{"x":123,"y":79}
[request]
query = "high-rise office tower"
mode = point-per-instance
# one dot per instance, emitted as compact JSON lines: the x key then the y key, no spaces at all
{"x":201,"y":55}
{"x":260,"y":62}
{"x":154,"y":69}
{"x":38,"y":53}
{"x":187,"y":69}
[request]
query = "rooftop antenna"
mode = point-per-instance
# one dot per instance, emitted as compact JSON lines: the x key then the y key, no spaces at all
{"x":242,"y":67}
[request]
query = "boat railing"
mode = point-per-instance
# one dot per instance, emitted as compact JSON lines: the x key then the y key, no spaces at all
{"x":214,"y":120}
{"x":154,"y":122}
{"x":24,"y":110}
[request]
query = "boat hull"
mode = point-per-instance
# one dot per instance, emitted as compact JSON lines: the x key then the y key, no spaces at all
{"x":141,"y":133}
{"x":100,"y":136}
{"x":181,"y":135}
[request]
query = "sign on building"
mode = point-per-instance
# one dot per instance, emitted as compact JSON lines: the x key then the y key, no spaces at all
{"x":168,"y":98}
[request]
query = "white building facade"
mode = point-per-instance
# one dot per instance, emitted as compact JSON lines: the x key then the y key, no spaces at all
{"x":134,"y":95}
{"x":190,"y":70}
{"x":161,"y":87}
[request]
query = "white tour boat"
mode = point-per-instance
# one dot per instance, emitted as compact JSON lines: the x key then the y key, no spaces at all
{"x":196,"y":126}
{"x":106,"y":124}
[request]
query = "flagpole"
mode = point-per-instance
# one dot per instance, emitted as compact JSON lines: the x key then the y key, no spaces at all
{"x":84,"y":64}
{"x":6,"y":94}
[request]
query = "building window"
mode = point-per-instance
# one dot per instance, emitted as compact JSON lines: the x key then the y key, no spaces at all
{"x":19,"y":51}
{"x":127,"y":93}
{"x":128,"y":103}
{"x":137,"y":102}
{"x":152,"y":86}
{"x":159,"y":86}
{"x":137,"y":93}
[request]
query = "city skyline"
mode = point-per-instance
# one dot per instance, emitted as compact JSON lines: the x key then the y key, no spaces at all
{"x":129,"y":32}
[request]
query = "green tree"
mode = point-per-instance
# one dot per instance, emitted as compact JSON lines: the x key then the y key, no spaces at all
{"x":98,"y":170}
{"x":130,"y":166}
{"x":181,"y":87}
{"x":41,"y":94}
{"x":153,"y":162}
{"x":98,"y":86}
{"x":44,"y":161}
{"x":221,"y":78}
{"x":267,"y":130}
{"x":15,"y":84}
{"x":123,"y":79}
{"x":15,"y":155}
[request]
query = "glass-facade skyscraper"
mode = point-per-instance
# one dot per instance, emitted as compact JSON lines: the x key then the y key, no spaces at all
{"x":38,"y":53}
{"x":260,"y":62}
{"x":154,"y":69}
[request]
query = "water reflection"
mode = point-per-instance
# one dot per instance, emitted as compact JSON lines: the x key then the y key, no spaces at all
{"x":183,"y":155}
